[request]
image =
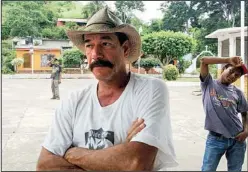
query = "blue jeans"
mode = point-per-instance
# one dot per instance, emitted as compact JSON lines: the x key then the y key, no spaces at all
{"x":216,"y":146}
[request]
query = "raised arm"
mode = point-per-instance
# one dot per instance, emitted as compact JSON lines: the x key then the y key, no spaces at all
{"x":51,"y":162}
{"x":205,"y":61}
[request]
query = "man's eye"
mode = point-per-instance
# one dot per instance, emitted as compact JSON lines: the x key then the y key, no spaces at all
{"x":106,"y":44}
{"x":87,"y":45}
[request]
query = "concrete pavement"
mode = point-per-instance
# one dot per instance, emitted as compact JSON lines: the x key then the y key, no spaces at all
{"x":27,"y":112}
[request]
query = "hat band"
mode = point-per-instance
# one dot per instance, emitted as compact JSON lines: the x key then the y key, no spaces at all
{"x":112,"y":25}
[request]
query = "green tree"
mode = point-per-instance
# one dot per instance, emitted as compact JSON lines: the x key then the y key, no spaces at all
{"x":175,"y":16}
{"x":147,"y":63}
{"x":91,"y":8}
{"x":8,"y":54}
{"x":54,"y":33}
{"x":183,"y":65}
{"x":137,"y":23}
{"x":72,"y":58}
{"x":200,"y":18}
{"x":27,"y":18}
{"x":125,"y":9}
{"x":167,"y":46}
{"x":156,"y":25}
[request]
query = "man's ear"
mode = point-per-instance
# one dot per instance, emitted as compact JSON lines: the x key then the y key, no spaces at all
{"x":126,"y":47}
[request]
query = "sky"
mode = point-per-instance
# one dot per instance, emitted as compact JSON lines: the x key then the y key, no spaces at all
{"x":151,"y":10}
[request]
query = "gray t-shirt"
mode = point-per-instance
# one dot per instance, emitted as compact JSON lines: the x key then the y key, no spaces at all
{"x":222,"y":104}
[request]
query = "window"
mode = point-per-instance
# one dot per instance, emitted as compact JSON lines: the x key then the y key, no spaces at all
{"x":27,"y":60}
{"x":45,"y":58}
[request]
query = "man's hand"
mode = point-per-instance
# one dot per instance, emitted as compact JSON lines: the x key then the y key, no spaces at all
{"x":136,"y":127}
{"x":72,"y":153}
{"x":242,"y":136}
{"x":235,"y":61}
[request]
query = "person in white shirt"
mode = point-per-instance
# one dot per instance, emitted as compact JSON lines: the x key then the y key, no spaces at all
{"x":122,"y":122}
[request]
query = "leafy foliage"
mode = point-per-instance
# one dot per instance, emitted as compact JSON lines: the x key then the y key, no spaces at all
{"x":212,"y":70}
{"x":167,"y":46}
{"x":147,"y":63}
{"x":72,"y":58}
{"x":200,"y":18}
{"x":55,"y":33}
{"x":125,"y":9}
{"x":170,"y":72}
{"x":91,"y":8}
{"x":27,"y":18}
{"x":183,"y":65}
{"x":17,"y":61}
{"x":8,"y":54}
{"x":176,"y":16}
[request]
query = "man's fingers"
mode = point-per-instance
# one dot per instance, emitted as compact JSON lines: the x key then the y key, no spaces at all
{"x":138,"y":129}
{"x":131,"y":128}
{"x":135,"y":131}
{"x":240,"y":138}
{"x":135,"y":124}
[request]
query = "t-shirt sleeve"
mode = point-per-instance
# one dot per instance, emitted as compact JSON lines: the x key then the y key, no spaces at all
{"x":206,"y":81}
{"x":242,"y":103}
{"x":153,"y":106}
{"x":59,"y":137}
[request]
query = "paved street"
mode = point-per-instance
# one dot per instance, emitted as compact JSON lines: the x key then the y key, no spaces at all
{"x":27,"y":112}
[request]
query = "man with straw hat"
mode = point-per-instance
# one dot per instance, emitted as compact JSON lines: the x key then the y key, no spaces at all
{"x":122,"y":122}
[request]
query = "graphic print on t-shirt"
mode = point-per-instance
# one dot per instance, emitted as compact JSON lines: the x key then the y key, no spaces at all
{"x":220,"y":99}
{"x":99,"y":139}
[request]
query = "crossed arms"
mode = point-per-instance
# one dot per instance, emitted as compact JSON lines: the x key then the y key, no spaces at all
{"x":127,"y":156}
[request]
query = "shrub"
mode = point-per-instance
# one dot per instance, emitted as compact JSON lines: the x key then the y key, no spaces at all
{"x":17,"y":61}
{"x":8,"y":54}
{"x":72,"y":58}
{"x":170,"y":72}
{"x":6,"y":70}
{"x":147,"y":63}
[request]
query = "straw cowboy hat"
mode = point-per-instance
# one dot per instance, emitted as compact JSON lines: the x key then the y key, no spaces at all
{"x":105,"y":21}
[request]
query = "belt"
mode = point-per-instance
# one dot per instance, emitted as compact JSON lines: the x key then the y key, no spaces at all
{"x":216,"y":134}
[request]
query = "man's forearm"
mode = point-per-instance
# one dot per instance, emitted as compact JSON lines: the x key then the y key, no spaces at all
{"x":119,"y":157}
{"x":245,"y":121}
{"x":51,"y":162}
{"x":215,"y":60}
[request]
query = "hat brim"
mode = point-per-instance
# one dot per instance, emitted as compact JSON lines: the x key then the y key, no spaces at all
{"x":134,"y":38}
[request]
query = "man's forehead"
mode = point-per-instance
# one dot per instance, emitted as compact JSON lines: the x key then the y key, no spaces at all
{"x":100,"y":36}
{"x":236,"y":69}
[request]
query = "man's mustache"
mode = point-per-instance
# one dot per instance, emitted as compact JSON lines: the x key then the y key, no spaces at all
{"x":101,"y":63}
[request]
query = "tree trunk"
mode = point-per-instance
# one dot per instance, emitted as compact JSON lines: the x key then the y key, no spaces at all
{"x":232,"y":15}
{"x":147,"y":69}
